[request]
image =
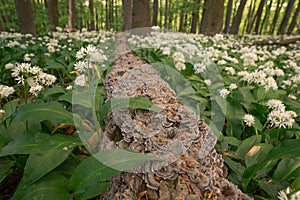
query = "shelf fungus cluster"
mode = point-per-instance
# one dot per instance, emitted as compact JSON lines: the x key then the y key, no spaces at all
{"x":189,"y":169}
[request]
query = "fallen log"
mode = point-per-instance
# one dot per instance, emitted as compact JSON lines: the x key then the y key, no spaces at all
{"x":191,"y":167}
{"x":283,"y":42}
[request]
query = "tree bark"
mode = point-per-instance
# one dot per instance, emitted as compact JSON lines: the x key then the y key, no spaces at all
{"x":212,"y":17}
{"x":127,"y":15}
{"x":237,"y":18}
{"x":228,"y":16}
{"x":181,"y":21}
{"x":52,"y":7}
{"x":258,"y":15}
{"x":141,"y":14}
{"x":72,"y":14}
{"x":286,"y":17}
{"x":107,"y":18}
{"x":166,"y":13}
{"x":294,"y":19}
{"x":195,"y":16}
{"x":155,"y":13}
{"x":92,"y":16}
{"x":25,"y":17}
{"x":266,"y":17}
{"x":276,"y":15}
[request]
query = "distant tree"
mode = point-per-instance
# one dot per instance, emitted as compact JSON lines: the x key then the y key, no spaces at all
{"x":294,"y":19}
{"x":237,"y":18}
{"x":195,"y":16}
{"x":259,"y":15}
{"x":228,"y":16}
{"x":127,"y":15}
{"x":72,"y":14}
{"x":276,"y":15}
{"x":212,"y":17}
{"x":25,"y":17}
{"x":286,"y":16}
{"x":92,"y":16}
{"x":155,"y":13}
{"x":141,"y":14}
{"x":52,"y":8}
{"x":266,"y":16}
{"x":182,"y":18}
{"x":166,"y":13}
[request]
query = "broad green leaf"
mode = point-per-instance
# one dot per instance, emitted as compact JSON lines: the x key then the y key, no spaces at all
{"x":137,"y":102}
{"x":271,"y":187}
{"x":296,"y":184}
{"x":88,"y":173}
{"x":52,"y":111}
{"x":24,"y":144}
{"x":246,"y":145}
{"x":232,"y":141}
{"x":238,"y":168}
{"x":287,"y":149}
{"x":286,"y":167}
{"x":6,"y":169}
{"x":94,"y":190}
{"x":52,"y":91}
{"x":10,"y":108}
{"x":257,"y":153}
{"x":123,"y":160}
{"x":82,"y":98}
{"x":53,"y":186}
{"x":48,"y":155}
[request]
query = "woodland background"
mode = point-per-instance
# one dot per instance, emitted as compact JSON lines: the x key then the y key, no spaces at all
{"x":275,"y":17}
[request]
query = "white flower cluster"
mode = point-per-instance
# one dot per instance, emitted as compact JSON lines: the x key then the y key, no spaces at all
{"x":5,"y":91}
{"x":34,"y":77}
{"x":288,"y":194}
{"x":27,"y":57}
{"x":179,"y":61}
{"x":224,"y":93}
{"x":249,"y":119}
{"x":2,"y":113}
{"x":279,"y":117}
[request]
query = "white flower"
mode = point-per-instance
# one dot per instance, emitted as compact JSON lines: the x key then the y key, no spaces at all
{"x":230,"y":70}
{"x":80,"y":54}
{"x":180,"y":66}
{"x":90,"y":49}
{"x":35,"y":89}
{"x":81,"y":66}
{"x":275,"y":104}
{"x":292,"y":97}
{"x":5,"y":91}
{"x":224,"y":93}
{"x":221,"y":62}
{"x":270,"y":83}
{"x":70,"y":87}
{"x":2,"y":113}
{"x":232,"y":86}
{"x":207,"y":82}
{"x":249,"y":119}
{"x":281,"y":119}
{"x":80,"y":80}
{"x":9,"y":66}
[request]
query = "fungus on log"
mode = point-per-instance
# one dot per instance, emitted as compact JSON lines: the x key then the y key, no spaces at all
{"x":191,"y":167}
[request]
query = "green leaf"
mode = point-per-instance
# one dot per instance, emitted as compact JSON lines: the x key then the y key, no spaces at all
{"x":246,"y":145}
{"x":232,"y":141}
{"x":52,"y":111}
{"x":24,"y":144}
{"x":296,"y":184}
{"x":89,"y":172}
{"x":52,"y":186}
{"x":94,"y":190}
{"x":77,"y":97}
{"x":6,"y":165}
{"x":257,"y":154}
{"x":286,"y":167}
{"x":48,"y":155}
{"x":122,"y":159}
{"x":287,"y":149}
{"x":137,"y":102}
{"x":238,"y":168}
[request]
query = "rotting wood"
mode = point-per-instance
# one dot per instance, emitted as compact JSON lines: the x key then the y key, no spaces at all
{"x":191,"y":167}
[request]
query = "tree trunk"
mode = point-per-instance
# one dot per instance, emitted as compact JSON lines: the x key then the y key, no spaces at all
{"x":276,"y":15}
{"x":212,"y":17}
{"x":141,"y":14}
{"x":107,"y":19}
{"x":194,"y":173}
{"x":250,"y":16}
{"x":127,"y":15}
{"x":72,"y":14}
{"x":286,"y":17}
{"x":92,"y":16}
{"x":195,"y":16}
{"x":52,"y":6}
{"x":161,"y":14}
{"x":111,"y":14}
{"x":266,"y":17}
{"x":294,"y":19}
{"x":181,"y":21}
{"x":234,"y":29}
{"x":228,"y":16}
{"x":155,"y":13}
{"x":258,"y":15}
{"x":166,"y":13}
{"x":25,"y":17}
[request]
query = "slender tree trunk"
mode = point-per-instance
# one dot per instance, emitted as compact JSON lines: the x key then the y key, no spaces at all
{"x":250,"y":16}
{"x":155,"y":13}
{"x":286,"y":16}
{"x":294,"y":19}
{"x":127,"y":15}
{"x":182,"y":18}
{"x":228,"y":16}
{"x":166,"y":13}
{"x":111,"y":14}
{"x":276,"y":15}
{"x":161,"y":14}
{"x":259,"y":15}
{"x":107,"y":19}
{"x":237,"y":18}
{"x":171,"y":13}
{"x":25,"y":17}
{"x":141,"y":14}
{"x":266,"y":17}
{"x":52,"y":6}
{"x":195,"y":16}
{"x":92,"y":16}
{"x":72,"y":14}
{"x":212,"y":17}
